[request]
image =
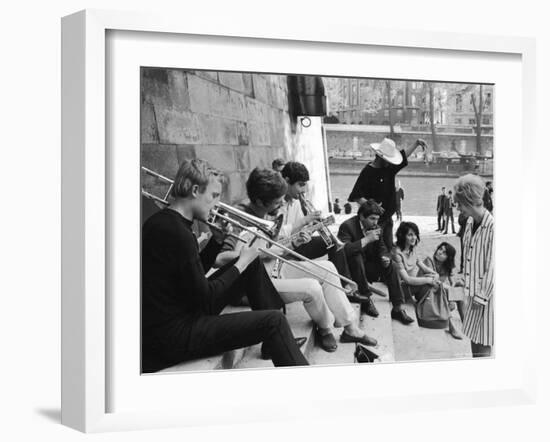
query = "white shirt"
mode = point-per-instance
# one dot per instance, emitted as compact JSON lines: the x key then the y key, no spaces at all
{"x":292,"y":215}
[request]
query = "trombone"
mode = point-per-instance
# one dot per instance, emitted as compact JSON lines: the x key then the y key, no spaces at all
{"x":261,"y":229}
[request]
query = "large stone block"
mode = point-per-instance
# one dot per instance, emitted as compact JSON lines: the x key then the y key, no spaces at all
{"x":233,"y":80}
{"x":277,"y":128}
{"x":255,"y":111}
{"x":178,"y":127}
{"x":217,"y":130}
{"x":161,"y":159}
{"x":199,"y":94}
{"x":242,"y":133}
{"x":236,"y":189}
{"x":248,"y":85}
{"x":261,"y":156}
{"x":260,"y":87}
{"x":242,"y":158}
{"x":148,"y":123}
{"x":221,"y":157}
{"x":185,"y":152}
{"x":259,"y":133}
{"x":227,"y":104}
{"x":208,"y":75}
{"x":165,"y":88}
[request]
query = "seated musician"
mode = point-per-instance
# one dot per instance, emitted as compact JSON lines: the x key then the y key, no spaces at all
{"x":297,"y":177}
{"x":324,"y":298}
{"x":368,"y":257}
{"x":181,"y":308}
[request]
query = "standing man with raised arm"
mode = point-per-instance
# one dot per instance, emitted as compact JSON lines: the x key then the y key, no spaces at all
{"x":181,"y":307}
{"x":377,"y":181}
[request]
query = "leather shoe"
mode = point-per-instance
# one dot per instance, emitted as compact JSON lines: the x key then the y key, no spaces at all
{"x":266,"y":353}
{"x":327,"y":342}
{"x":401,"y":315}
{"x":358,"y":297}
{"x":369,"y":308}
{"x":366,"y":340}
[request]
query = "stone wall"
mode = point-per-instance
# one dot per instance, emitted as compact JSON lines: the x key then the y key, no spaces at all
{"x":235,"y":121}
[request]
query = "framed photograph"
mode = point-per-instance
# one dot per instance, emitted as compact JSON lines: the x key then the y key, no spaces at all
{"x":147,"y":99}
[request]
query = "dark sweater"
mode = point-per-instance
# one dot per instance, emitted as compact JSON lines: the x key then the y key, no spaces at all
{"x":378,"y":183}
{"x":174,"y":285}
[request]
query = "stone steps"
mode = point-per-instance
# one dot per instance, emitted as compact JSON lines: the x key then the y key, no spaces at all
{"x":380,"y":328}
{"x":301,"y":326}
{"x":415,"y":343}
{"x":396,"y":342}
{"x":344,"y":354}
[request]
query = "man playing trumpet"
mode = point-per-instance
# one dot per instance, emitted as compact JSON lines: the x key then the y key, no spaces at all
{"x":181,"y":307}
{"x":297,"y":176}
{"x":323,"y":297}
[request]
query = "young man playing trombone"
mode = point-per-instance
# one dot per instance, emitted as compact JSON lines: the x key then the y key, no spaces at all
{"x":322,"y":295}
{"x":296,"y":176}
{"x":181,"y":307}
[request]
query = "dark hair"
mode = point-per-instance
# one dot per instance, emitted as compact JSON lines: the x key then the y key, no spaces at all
{"x":402,"y":231}
{"x":295,"y":172}
{"x":370,"y":207}
{"x":192,"y":172}
{"x":265,"y":185}
{"x":451,"y":192}
{"x":449,"y":263}
{"x":277,"y":162}
{"x":488,"y":183}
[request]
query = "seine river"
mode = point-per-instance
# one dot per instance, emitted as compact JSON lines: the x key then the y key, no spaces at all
{"x":420,"y":192}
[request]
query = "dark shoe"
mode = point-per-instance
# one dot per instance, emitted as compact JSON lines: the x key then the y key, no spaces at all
{"x":401,"y":315}
{"x":326,"y":342}
{"x":266,"y":353}
{"x":357,"y":297}
{"x":369,"y":308}
{"x":366,"y":340}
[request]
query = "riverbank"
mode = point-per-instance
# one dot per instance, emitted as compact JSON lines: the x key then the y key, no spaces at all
{"x":350,"y":166}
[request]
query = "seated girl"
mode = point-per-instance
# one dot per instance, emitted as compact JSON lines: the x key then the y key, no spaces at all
{"x":407,"y":262}
{"x":443,"y":262}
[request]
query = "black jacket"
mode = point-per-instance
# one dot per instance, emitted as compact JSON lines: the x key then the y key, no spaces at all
{"x":350,"y":233}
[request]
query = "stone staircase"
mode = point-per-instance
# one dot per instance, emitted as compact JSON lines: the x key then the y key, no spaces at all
{"x":396,"y":342}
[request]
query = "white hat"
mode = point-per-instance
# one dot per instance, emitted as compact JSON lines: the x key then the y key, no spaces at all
{"x":387,"y":150}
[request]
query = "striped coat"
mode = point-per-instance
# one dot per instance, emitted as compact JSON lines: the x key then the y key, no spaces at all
{"x":478,"y":259}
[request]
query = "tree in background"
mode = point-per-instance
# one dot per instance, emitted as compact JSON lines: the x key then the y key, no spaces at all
{"x":478,"y":112}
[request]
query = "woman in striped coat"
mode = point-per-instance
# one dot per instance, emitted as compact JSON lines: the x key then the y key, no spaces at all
{"x":478,"y":264}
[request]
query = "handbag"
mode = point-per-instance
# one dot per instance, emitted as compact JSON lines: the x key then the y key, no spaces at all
{"x":363,"y":354}
{"x":433,"y":309}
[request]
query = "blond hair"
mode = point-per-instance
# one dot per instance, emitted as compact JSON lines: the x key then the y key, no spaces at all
{"x":191,"y":173}
{"x":469,"y":190}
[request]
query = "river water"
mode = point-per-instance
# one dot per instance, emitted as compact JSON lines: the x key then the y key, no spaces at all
{"x":420,"y":192}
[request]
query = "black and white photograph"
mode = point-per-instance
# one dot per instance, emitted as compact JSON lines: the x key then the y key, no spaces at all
{"x":292,"y":220}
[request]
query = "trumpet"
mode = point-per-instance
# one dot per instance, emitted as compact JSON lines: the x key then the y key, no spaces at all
{"x":328,"y":237}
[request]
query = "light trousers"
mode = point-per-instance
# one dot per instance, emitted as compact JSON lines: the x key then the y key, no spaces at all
{"x":325,"y":304}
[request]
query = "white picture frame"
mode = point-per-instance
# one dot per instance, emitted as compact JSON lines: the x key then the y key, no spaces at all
{"x":86,"y":202}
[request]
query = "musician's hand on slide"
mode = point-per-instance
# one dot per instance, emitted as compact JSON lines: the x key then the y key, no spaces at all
{"x":246,"y":256}
{"x":301,"y":239}
{"x":385,"y":261}
{"x":225,"y":229}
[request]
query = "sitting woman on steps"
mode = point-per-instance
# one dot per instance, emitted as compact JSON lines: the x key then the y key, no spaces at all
{"x":407,"y":262}
{"x":443,"y":262}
